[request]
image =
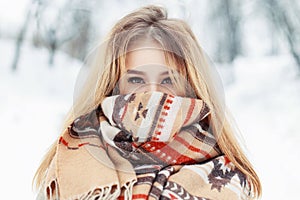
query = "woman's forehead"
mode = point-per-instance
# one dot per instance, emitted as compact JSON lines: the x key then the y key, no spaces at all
{"x":145,"y":56}
{"x":145,"y":59}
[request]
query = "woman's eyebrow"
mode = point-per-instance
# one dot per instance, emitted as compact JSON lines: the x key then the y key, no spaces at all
{"x":131,"y":71}
{"x":164,"y":73}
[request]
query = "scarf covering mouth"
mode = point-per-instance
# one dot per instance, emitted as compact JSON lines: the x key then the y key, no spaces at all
{"x":148,"y":145}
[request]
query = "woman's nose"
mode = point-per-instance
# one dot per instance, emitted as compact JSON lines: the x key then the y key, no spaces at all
{"x":154,"y":87}
{"x":147,"y":87}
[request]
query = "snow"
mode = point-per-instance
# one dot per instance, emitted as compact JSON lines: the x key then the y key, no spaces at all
{"x":19,"y":9}
{"x":34,"y":101}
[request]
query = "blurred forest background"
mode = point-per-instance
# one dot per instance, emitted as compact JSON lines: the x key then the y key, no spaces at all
{"x":254,"y":44}
{"x":73,"y":26}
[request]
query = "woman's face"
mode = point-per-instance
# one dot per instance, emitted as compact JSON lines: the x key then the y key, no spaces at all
{"x":147,"y":70}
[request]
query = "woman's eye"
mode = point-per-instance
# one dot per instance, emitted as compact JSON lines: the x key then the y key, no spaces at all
{"x":135,"y":80}
{"x":167,"y":81}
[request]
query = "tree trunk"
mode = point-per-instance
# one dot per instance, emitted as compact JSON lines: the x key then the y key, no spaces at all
{"x":20,"y":40}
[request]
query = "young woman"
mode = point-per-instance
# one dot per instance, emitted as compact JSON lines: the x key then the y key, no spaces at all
{"x":149,"y":123}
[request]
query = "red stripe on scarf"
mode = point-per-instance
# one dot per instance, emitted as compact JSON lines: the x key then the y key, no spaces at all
{"x":139,"y":196}
{"x":135,"y":196}
{"x":157,"y":145}
{"x":64,"y":142}
{"x":165,"y":151}
{"x":190,"y":111}
{"x":192,"y":148}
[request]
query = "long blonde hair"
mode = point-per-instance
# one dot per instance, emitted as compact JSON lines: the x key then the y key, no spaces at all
{"x":176,"y":36}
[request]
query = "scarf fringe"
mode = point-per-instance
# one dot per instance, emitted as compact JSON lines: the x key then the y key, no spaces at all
{"x":128,"y":190}
{"x":105,"y":194}
{"x":52,"y":192}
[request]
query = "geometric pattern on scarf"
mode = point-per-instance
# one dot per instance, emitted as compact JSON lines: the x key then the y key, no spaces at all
{"x":148,"y":145}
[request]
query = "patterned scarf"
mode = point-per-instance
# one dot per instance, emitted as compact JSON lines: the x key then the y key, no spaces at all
{"x":149,"y":145}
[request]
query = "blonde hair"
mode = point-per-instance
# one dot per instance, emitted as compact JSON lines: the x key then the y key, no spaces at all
{"x":175,"y":36}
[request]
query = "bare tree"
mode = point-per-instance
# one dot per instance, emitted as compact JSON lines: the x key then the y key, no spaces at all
{"x":77,"y":46}
{"x":21,"y":34}
{"x":225,"y":17}
{"x":286,"y":19}
{"x":67,"y":25}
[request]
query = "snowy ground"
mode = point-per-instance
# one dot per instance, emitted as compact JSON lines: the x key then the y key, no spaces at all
{"x":33,"y":103}
{"x":264,"y":100}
